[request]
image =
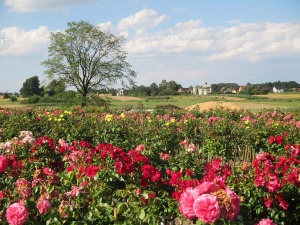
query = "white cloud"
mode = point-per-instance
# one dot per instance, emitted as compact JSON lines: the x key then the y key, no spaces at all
{"x":108,"y":26}
{"x":146,"y":18}
{"x":42,"y":5}
{"x":16,"y":41}
{"x":257,"y":41}
{"x":250,"y":41}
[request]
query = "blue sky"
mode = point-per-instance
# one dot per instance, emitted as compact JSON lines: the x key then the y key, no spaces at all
{"x":191,"y":41}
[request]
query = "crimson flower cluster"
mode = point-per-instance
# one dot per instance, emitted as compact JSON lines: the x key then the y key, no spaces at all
{"x":274,"y":173}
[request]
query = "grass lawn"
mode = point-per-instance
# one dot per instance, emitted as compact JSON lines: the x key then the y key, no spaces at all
{"x":286,"y":101}
{"x":7,"y":103}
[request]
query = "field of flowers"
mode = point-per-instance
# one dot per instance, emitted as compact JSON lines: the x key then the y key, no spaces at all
{"x":94,"y":166}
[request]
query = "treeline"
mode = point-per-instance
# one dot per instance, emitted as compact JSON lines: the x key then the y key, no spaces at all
{"x":163,"y":88}
{"x":55,"y":91}
{"x":254,"y":89}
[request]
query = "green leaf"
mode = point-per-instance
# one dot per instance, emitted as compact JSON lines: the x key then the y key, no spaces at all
{"x":142,"y":214}
{"x":121,"y":207}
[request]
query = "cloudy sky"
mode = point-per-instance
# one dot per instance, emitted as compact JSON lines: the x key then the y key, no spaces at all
{"x":189,"y":41}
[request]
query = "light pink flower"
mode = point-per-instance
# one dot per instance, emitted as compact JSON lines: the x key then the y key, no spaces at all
{"x":43,"y":205}
{"x":16,"y":214}
{"x":74,"y":193}
{"x":4,"y":163}
{"x":186,"y":203}
{"x":266,"y":222}
{"x":139,"y":148}
{"x":206,"y":208}
{"x":24,"y":187}
{"x":191,"y":148}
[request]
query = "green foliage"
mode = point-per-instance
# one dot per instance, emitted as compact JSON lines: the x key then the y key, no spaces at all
{"x":86,"y":58}
{"x":6,"y":95}
{"x":13,"y":98}
{"x":55,"y":87}
{"x":31,"y":87}
{"x":175,"y":140}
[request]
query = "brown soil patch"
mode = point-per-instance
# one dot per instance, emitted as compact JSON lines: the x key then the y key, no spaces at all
{"x":120,"y":98}
{"x":215,"y":105}
{"x":10,"y":106}
{"x":125,"y":98}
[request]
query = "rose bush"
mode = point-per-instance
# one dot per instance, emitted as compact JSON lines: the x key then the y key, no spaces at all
{"x":104,"y":167}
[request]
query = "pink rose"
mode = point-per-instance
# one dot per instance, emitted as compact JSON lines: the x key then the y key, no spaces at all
{"x":139,"y":148}
{"x":24,"y":187}
{"x":266,"y":222}
{"x":186,"y":203}
{"x":4,"y":163}
{"x":206,"y":208}
{"x":74,"y":193}
{"x":191,"y":148}
{"x":16,"y":214}
{"x":205,"y":188}
{"x":43,"y":205}
{"x":234,"y":206}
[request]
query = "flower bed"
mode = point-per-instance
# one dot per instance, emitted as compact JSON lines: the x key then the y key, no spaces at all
{"x":93,"y":167}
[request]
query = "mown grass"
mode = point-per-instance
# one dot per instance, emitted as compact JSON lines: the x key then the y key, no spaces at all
{"x":284,"y":100}
{"x":185,"y":101}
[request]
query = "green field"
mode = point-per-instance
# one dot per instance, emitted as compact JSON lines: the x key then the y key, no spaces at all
{"x":285,"y":101}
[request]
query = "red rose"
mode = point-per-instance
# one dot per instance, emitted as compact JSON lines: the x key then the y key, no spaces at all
{"x":4,"y":163}
{"x":279,"y":140}
{"x":271,"y":140}
{"x":91,"y":171}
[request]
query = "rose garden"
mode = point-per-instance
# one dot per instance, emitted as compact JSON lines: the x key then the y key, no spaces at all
{"x":97,"y":166}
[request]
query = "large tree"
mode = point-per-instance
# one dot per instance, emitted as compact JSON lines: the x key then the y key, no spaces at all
{"x":31,"y":87}
{"x":85,"y":57}
{"x":55,"y":87}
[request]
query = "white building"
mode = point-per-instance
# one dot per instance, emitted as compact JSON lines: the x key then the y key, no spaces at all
{"x":277,"y":90}
{"x":200,"y":90}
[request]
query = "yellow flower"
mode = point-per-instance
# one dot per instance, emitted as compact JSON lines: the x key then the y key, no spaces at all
{"x":167,"y":124}
{"x":59,"y":119}
{"x":173,"y":120}
{"x":61,"y":116}
{"x":108,"y":117}
{"x":247,"y":122}
{"x":67,"y":112}
{"x":122,"y":115}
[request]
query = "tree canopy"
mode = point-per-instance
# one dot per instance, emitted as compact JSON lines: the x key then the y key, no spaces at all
{"x":55,"y":87}
{"x":31,"y":87}
{"x":85,"y":57}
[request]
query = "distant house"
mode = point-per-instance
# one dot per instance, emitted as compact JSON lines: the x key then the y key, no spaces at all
{"x":199,"y":90}
{"x":241,"y":88}
{"x":277,"y":90}
{"x":184,"y":90}
{"x":121,"y":92}
{"x":226,"y":90}
{"x":234,"y":91}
